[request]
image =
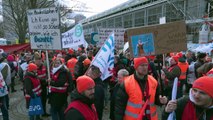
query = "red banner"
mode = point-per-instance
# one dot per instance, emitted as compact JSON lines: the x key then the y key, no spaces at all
{"x":16,"y":47}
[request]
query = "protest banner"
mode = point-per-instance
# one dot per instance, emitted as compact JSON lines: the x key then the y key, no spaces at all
{"x":44,"y":28}
{"x":157,"y":39}
{"x":119,"y":36}
{"x":74,"y":37}
{"x":104,"y":59}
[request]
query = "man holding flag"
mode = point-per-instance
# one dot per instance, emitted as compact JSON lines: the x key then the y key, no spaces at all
{"x":198,"y":105}
{"x":100,"y":69}
{"x":138,"y":94}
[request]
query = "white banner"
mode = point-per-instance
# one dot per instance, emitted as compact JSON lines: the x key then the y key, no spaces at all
{"x":44,"y":28}
{"x":104,"y":59}
{"x":119,"y":36}
{"x":74,"y":37}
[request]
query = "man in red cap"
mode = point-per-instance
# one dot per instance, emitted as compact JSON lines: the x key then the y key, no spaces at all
{"x":135,"y":91}
{"x":197,"y":106}
{"x":82,"y":105}
{"x":94,"y":73}
{"x":169,"y":74}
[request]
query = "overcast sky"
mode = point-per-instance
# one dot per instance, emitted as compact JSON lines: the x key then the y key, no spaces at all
{"x":97,"y":6}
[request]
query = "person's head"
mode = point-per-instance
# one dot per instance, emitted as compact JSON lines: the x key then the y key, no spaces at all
{"x":86,"y":62}
{"x":71,"y":51}
{"x":141,"y":65}
{"x":85,"y":86}
{"x":90,"y":53}
{"x":121,"y":74}
{"x":128,"y":56}
{"x":57,"y":62}
{"x":93,"y":72}
{"x":188,"y":54}
{"x":201,"y":56}
{"x":174,"y":60}
{"x":202,"y":91}
{"x":32,"y":68}
{"x":38,"y":61}
{"x":28,"y":57}
{"x":59,"y":55}
{"x":10,"y":58}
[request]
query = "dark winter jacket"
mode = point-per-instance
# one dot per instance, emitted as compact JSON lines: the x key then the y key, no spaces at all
{"x":99,"y":97}
{"x":59,"y":99}
{"x":28,"y":86}
{"x":198,"y":64}
{"x":181,"y":103}
{"x":74,"y":114}
{"x":171,"y":75}
{"x":113,"y":92}
{"x":79,"y":67}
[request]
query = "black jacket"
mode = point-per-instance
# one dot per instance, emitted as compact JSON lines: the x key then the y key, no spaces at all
{"x":113,"y":92}
{"x":74,"y":114}
{"x":99,"y":97}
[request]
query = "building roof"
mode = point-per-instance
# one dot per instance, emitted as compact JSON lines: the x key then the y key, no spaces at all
{"x":124,"y":6}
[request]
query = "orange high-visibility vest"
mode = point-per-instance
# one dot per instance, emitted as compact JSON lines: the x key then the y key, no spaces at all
{"x":183,"y":68}
{"x":136,"y":102}
{"x":71,"y":65}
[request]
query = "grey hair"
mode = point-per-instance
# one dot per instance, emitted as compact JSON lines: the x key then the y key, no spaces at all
{"x":123,"y":72}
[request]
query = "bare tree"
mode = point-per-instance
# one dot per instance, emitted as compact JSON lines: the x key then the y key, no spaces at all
{"x":15,"y":17}
{"x":15,"y":14}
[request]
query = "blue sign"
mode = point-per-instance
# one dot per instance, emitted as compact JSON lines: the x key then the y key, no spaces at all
{"x":94,"y":38}
{"x":143,"y":45}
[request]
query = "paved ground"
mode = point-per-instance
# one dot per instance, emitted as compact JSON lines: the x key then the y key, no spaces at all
{"x":18,"y":111}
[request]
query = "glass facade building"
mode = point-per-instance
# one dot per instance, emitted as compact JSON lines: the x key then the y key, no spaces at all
{"x":137,"y":13}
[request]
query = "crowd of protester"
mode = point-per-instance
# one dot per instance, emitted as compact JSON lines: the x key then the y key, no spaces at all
{"x":134,"y":81}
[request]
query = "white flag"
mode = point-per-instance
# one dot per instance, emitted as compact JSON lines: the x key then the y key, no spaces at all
{"x":104,"y":59}
{"x":172,"y":115}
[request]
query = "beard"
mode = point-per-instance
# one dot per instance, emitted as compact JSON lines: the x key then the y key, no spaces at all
{"x":92,"y":97}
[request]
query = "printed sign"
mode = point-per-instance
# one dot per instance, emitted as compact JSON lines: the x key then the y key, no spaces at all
{"x":44,"y":28}
{"x":74,"y":37}
{"x":157,"y":39}
{"x":119,"y":36}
